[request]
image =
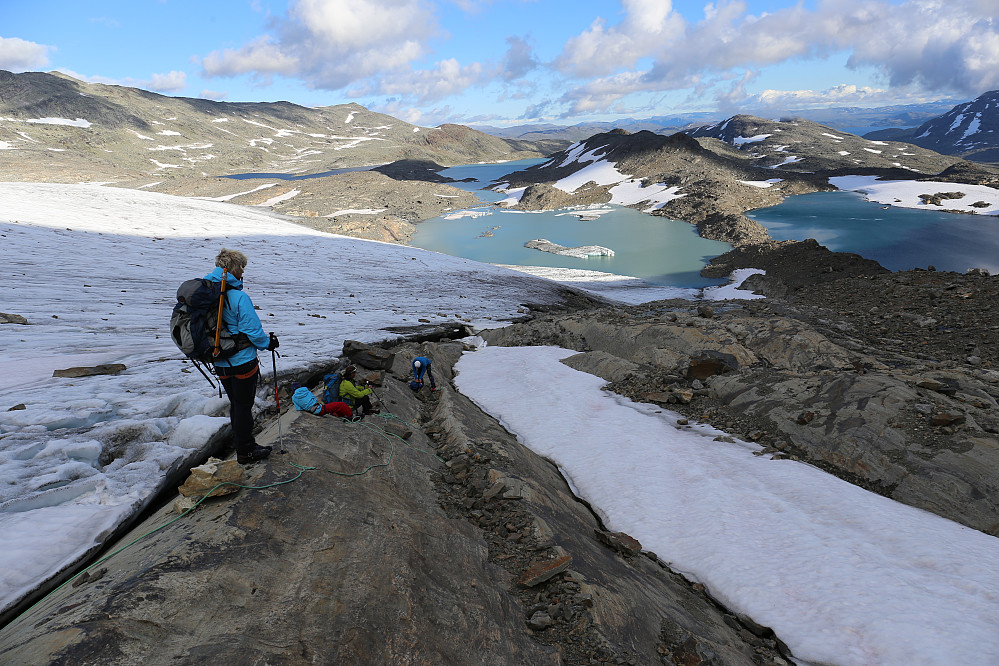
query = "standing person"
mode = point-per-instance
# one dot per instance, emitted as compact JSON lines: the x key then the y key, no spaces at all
{"x":239,"y":372}
{"x":355,"y":396}
{"x":421,"y":364}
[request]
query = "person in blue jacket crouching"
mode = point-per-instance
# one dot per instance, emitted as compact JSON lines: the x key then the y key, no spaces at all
{"x":421,"y":365}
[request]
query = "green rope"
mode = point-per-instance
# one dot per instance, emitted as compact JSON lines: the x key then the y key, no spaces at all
{"x":157,"y":529}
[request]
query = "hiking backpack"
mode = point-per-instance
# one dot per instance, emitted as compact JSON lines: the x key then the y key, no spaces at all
{"x":331,"y":390}
{"x":194,"y":321}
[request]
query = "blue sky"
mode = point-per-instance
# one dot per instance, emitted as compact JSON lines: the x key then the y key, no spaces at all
{"x":507,"y":62}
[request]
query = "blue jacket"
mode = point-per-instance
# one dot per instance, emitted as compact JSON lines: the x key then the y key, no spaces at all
{"x":239,"y":316}
{"x":305,"y":401}
{"x":424,"y":367}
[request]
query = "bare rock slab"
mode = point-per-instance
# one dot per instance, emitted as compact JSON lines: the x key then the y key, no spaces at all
{"x":76,"y":372}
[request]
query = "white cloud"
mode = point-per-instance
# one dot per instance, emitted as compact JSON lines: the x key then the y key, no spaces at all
{"x":844,"y":94}
{"x":649,"y":26}
{"x":331,"y":44}
{"x":942,"y":46}
{"x":448,"y":77}
{"x":18,"y":55}
{"x":213,"y":95}
{"x":947,"y":46}
{"x":600,"y":94}
{"x":261,"y":57}
{"x":172,"y":82}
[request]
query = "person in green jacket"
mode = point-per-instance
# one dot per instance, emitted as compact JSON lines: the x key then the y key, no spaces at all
{"x":357,"y":398}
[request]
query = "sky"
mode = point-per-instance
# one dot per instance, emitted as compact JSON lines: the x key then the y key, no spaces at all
{"x":521,"y":61}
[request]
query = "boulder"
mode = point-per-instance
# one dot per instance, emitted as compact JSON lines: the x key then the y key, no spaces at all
{"x":227,"y":475}
{"x":709,"y":363}
{"x":367,"y":356}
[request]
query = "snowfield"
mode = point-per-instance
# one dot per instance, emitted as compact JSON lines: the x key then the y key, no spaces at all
{"x":905,"y":193}
{"x":842,"y":575}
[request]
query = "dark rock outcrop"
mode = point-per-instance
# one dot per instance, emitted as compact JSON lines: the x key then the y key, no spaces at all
{"x":790,"y":265}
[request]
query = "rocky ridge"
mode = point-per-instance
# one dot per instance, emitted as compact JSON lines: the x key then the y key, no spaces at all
{"x":888,"y":381}
{"x":54,"y":126}
{"x":458,"y":546}
{"x":715,"y":186}
{"x":808,"y":147}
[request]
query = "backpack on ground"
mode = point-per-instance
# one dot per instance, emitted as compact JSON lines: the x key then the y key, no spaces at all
{"x":194,"y":323}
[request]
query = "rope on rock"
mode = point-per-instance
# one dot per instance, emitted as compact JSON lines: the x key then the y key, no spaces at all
{"x":302,"y":469}
{"x":157,"y":529}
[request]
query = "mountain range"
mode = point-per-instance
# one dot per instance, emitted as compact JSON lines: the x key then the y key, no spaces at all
{"x":970,"y":130}
{"x":856,"y":120}
{"x":53,"y":126}
{"x":348,"y":170}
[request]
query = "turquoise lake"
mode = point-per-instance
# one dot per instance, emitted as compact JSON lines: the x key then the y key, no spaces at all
{"x":670,"y":253}
{"x":897,"y":238}
{"x":655,"y":249}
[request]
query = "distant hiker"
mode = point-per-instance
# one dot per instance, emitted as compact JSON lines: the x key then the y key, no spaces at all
{"x":359,"y":398}
{"x":238,"y":373}
{"x":421,"y":364}
{"x":305,"y":401}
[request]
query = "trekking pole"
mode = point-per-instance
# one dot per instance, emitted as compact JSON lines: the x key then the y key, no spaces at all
{"x":277,"y":398}
{"x":377,"y":397}
{"x":203,"y":373}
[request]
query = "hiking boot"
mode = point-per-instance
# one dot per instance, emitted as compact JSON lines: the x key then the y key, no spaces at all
{"x":252,"y":456}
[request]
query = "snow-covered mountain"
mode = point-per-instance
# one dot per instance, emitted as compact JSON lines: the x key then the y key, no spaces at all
{"x":970,"y":130}
{"x":848,"y":119}
{"x":804,"y":146}
{"x":55,"y":128}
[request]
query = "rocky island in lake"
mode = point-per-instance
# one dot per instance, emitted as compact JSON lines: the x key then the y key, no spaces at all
{"x":582,"y":251}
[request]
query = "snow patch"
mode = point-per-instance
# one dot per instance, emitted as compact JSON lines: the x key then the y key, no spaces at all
{"x":762,"y":183}
{"x":740,"y":140}
{"x":79,"y":122}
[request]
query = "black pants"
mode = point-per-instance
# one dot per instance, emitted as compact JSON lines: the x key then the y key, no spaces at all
{"x":364,"y":403}
{"x":242,"y":393}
